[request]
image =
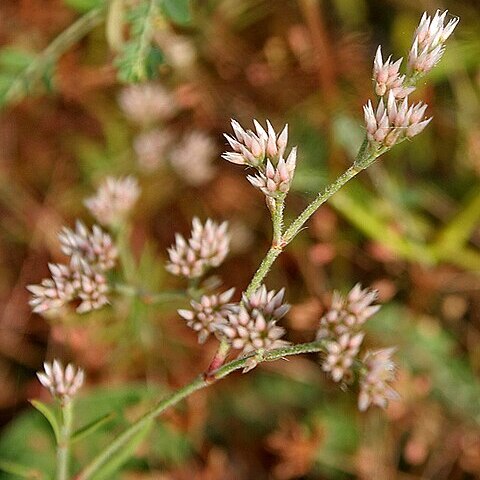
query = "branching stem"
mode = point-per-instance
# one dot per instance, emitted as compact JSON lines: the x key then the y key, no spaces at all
{"x":197,"y":384}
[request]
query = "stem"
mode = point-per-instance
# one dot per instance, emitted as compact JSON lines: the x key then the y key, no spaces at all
{"x":365,"y":158}
{"x":263,"y":269}
{"x":197,"y":384}
{"x":63,"y":447}
{"x":277,"y":220}
{"x":321,"y":198}
{"x":35,"y":71}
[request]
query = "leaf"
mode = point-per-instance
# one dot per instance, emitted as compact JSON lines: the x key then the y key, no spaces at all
{"x":13,"y":60}
{"x":139,"y":59}
{"x":49,"y":415}
{"x":122,"y":455}
{"x":177,"y":10}
{"x":20,"y":470}
{"x":91,"y":427}
{"x":83,"y":5}
{"x":29,"y":77}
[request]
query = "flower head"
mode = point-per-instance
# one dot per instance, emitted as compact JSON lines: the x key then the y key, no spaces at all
{"x":387,"y":78}
{"x":429,"y":41}
{"x":96,"y":247}
{"x":252,"y":325}
{"x":341,"y":354}
{"x":347,"y":315}
{"x":207,"y":247}
{"x":147,"y":103}
{"x":114,"y":199}
{"x":254,"y":148}
{"x":276,"y":180}
{"x":52,"y":293}
{"x":63,"y":383}
{"x":375,"y":381}
{"x":342,"y":326}
{"x":192,"y":158}
{"x":394,"y":121}
{"x":150,"y":148}
{"x":91,"y":287}
{"x":208,"y":311}
{"x":92,"y":253}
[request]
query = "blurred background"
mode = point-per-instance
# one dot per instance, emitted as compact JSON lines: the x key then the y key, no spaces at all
{"x":409,"y":226}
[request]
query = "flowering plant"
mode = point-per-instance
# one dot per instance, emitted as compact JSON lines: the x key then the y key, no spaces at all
{"x":252,"y":324}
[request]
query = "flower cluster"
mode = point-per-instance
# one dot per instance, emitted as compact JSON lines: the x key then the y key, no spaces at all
{"x":375,"y":380}
{"x":387,"y":78}
{"x":341,"y":326}
{"x":252,"y":324}
{"x":114,"y":199}
{"x":91,"y":254}
{"x":394,"y":119}
{"x":429,"y":42}
{"x":347,"y":315}
{"x":94,"y":248}
{"x":263,"y":150}
{"x":151,"y":147}
{"x":63,"y":383}
{"x":207,"y":247}
{"x":147,"y":103}
{"x":192,"y":158}
{"x":209,"y":311}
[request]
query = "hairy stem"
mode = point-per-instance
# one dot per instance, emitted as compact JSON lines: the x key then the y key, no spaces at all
{"x":63,"y":447}
{"x":277,"y":220}
{"x":364,"y":158}
{"x":263,"y":269}
{"x":197,"y":384}
{"x":35,"y":71}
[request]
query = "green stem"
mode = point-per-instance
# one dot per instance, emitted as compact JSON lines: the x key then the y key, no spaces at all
{"x":365,"y":158}
{"x":277,"y":220}
{"x":197,"y":384}
{"x":35,"y":71}
{"x":263,"y":269}
{"x":63,"y":447}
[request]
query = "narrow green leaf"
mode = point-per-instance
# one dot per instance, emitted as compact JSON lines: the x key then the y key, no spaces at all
{"x":83,"y":5}
{"x":14,"y":60}
{"x":457,"y":232}
{"x":137,"y":61}
{"x":114,"y":463}
{"x":91,"y":427}
{"x":19,"y":470}
{"x":177,"y":10}
{"x":49,"y":415}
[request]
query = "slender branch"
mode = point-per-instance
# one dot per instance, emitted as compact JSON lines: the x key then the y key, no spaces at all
{"x":197,"y":384}
{"x":34,"y":72}
{"x":365,"y":157}
{"x":263,"y":269}
{"x":63,"y":447}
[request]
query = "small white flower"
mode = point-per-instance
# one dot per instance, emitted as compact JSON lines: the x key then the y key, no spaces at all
{"x":429,"y":41}
{"x":207,"y":247}
{"x":147,"y":103}
{"x":375,"y":381}
{"x":114,"y":199}
{"x":63,"y":383}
